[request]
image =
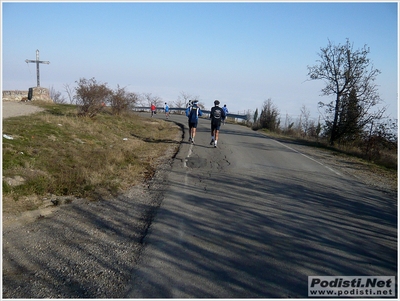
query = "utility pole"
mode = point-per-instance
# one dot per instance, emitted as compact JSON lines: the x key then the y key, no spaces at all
{"x":37,"y":66}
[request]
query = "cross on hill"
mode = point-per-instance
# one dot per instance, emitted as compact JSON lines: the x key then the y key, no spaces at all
{"x":37,"y":66}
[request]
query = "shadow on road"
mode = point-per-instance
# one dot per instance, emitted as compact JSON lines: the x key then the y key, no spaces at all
{"x":263,"y":238}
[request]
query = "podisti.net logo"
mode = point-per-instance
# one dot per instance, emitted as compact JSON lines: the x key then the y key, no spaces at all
{"x":351,"y":286}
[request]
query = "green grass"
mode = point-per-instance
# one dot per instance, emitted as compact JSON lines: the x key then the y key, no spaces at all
{"x":57,"y":153}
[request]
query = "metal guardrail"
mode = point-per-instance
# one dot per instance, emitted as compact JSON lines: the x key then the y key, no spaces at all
{"x":238,"y":116}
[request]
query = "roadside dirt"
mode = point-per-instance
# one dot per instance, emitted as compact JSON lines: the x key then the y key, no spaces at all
{"x":383,"y":180}
{"x":12,"y":109}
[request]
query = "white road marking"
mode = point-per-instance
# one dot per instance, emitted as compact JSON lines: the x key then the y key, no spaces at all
{"x":336,"y":172}
{"x":185,"y":166}
{"x":189,"y":153}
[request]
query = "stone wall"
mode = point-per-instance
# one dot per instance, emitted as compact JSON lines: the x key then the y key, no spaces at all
{"x":38,"y":93}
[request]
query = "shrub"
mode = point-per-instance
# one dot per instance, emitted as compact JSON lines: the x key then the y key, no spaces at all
{"x":91,"y":97}
{"x":122,"y":101}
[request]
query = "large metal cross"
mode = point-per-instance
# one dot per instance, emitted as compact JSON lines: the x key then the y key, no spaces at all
{"x":37,"y":66}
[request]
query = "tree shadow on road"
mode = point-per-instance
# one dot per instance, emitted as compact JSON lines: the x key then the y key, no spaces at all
{"x":264,"y":237}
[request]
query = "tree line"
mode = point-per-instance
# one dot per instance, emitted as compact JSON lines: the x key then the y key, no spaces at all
{"x":91,"y":96}
{"x":352,"y":119}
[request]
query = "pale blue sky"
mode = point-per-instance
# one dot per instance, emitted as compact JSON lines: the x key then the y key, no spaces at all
{"x":240,"y":53}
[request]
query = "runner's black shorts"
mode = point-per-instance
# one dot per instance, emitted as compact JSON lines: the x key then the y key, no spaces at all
{"x":192,"y":125}
{"x":215,"y":125}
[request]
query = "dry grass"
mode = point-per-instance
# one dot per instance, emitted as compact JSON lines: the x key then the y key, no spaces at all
{"x":57,"y":153}
{"x":384,"y":170}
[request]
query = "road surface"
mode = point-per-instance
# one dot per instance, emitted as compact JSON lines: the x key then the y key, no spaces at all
{"x":254,"y":218}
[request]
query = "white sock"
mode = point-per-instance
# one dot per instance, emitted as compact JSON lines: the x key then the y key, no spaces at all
{"x":215,"y":142}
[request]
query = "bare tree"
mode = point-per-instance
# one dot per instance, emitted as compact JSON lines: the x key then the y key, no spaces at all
{"x":183,"y":100}
{"x":289,"y":124}
{"x":142,"y":101}
{"x":56,"y":96}
{"x":304,"y":119}
{"x":149,"y":99}
{"x":343,"y":70}
{"x":70,"y":92}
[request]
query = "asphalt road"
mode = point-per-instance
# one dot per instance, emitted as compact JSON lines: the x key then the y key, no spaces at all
{"x":254,"y":218}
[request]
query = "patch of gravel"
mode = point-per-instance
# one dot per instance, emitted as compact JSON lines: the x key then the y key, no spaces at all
{"x":12,"y":109}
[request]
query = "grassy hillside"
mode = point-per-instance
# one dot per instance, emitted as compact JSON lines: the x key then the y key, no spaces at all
{"x":54,"y":152}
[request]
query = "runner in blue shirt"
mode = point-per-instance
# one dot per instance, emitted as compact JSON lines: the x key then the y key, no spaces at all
{"x":226,"y":113}
{"x":166,"y":109}
{"x":193,"y":114}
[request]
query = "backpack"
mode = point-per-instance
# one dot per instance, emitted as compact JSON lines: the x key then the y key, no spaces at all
{"x":217,"y":113}
{"x":194,"y":113}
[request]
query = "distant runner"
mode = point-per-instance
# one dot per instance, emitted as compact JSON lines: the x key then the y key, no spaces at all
{"x":226,"y":113}
{"x":166,"y":109}
{"x":153,"y":109}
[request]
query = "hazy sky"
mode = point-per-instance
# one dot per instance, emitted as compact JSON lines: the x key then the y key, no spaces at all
{"x":238,"y":52}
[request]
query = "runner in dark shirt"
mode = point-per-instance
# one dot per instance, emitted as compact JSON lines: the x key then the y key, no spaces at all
{"x":217,"y":114}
